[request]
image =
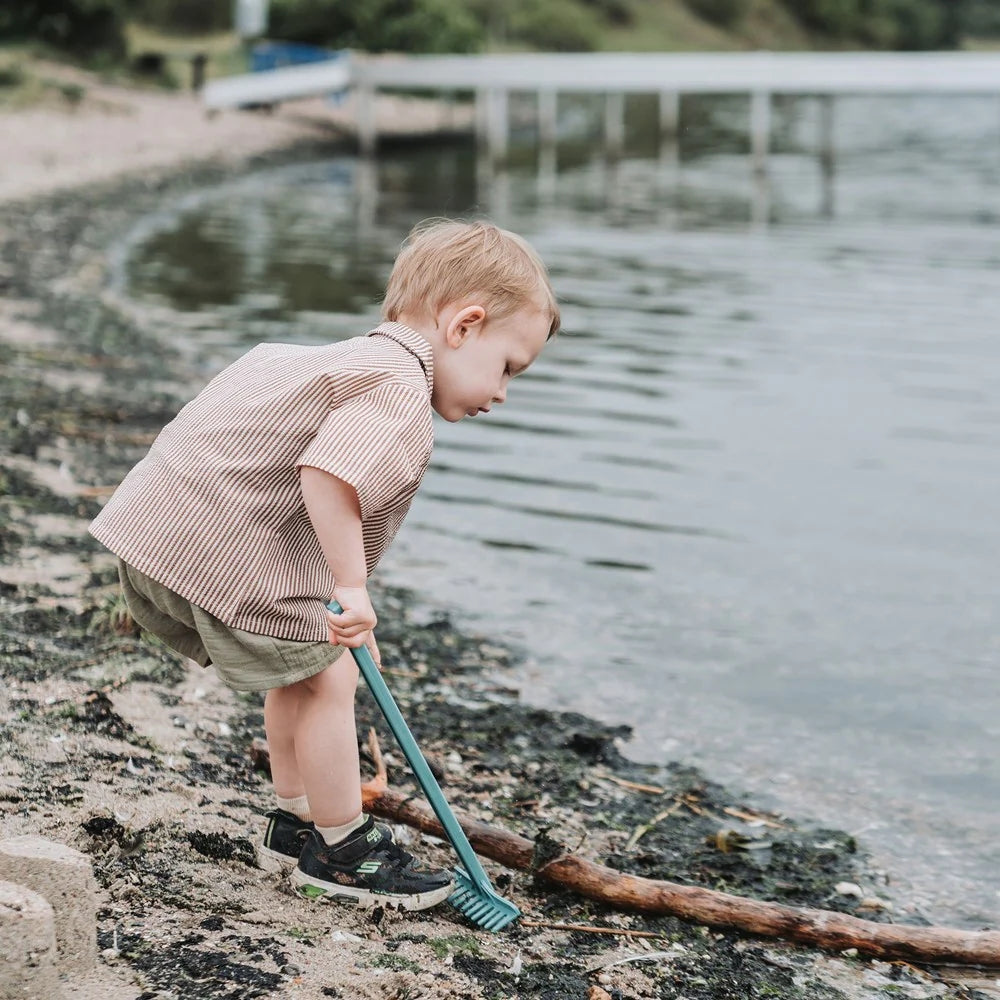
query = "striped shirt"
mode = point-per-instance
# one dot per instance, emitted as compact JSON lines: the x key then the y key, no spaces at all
{"x":215,"y":511}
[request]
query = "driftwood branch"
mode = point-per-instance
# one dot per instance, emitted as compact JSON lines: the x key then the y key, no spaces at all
{"x":820,"y":928}
{"x":824,"y":929}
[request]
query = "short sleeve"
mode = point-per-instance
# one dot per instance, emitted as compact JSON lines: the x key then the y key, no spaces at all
{"x":379,"y":442}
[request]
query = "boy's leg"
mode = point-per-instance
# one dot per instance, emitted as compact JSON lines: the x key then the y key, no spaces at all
{"x":346,"y":856}
{"x":281,"y":713}
{"x":313,"y":742}
{"x":281,"y":710}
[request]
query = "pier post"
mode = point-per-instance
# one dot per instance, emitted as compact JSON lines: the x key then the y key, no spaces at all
{"x":548,"y":139}
{"x":668,"y":174}
{"x":367,"y":124}
{"x":548,"y":117}
{"x":760,"y":129}
{"x":670,"y":113}
{"x":482,"y":116}
{"x":614,"y":124}
{"x":826,"y":152}
{"x":497,"y":131}
{"x":670,"y":120}
{"x":365,"y":199}
{"x":760,"y":202}
{"x":547,"y":176}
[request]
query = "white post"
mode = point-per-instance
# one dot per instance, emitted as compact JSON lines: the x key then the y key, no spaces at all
{"x":500,"y":197}
{"x":548,"y":117}
{"x":250,"y":18}
{"x":614,"y":194}
{"x":614,"y":124}
{"x":670,"y":119}
{"x":367,"y":124}
{"x":548,"y":140}
{"x":760,"y":129}
{"x":760,"y":204}
{"x":547,"y":176}
{"x":826,"y":151}
{"x":482,"y":117}
{"x":365,"y":198}
{"x":497,"y":132}
{"x":670,"y":112}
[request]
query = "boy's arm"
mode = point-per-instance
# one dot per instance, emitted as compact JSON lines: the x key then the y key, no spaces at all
{"x":333,"y":509}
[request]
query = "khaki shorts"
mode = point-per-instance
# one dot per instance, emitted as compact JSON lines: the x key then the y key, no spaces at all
{"x":245,"y":661}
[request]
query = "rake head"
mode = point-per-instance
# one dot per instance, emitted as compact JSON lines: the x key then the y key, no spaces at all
{"x":481,"y":904}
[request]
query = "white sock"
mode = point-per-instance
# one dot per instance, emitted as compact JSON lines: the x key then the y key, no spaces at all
{"x":297,"y":806}
{"x":333,"y":834}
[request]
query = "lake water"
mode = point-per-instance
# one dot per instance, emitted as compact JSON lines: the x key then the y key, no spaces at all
{"x":747,"y":502}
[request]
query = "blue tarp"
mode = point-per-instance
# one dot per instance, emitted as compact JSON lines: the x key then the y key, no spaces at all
{"x":274,"y":55}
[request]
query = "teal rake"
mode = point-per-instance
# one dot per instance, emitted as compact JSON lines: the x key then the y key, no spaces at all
{"x":474,"y":896}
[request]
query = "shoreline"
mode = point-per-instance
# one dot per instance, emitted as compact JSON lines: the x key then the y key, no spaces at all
{"x":106,"y":132}
{"x":85,"y":386}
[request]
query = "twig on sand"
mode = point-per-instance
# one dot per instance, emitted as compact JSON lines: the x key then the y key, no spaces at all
{"x":634,"y":786}
{"x":641,"y":831}
{"x":754,"y":817}
{"x":586,"y":929}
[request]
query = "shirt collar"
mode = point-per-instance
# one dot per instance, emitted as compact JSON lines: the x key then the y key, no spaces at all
{"x":413,"y":342}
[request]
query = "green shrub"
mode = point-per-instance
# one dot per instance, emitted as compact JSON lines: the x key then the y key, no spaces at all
{"x":918,"y":25}
{"x":555,"y":25}
{"x":724,"y":13}
{"x":982,"y":18}
{"x":193,"y":17}
{"x":91,"y":29}
{"x":837,"y":18}
{"x":613,"y":11}
{"x":12,"y":75}
{"x":885,"y":24}
{"x":378,"y":25}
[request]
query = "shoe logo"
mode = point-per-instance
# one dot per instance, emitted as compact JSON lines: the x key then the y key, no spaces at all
{"x":369,"y":867}
{"x":373,"y":836}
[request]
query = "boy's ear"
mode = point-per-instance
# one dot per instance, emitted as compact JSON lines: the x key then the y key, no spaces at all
{"x":466,"y":320}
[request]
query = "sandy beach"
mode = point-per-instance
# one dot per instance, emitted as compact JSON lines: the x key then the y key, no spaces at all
{"x":106,"y":131}
{"x":114,"y":746}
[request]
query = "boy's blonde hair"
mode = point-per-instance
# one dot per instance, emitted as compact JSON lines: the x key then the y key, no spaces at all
{"x":445,"y":260}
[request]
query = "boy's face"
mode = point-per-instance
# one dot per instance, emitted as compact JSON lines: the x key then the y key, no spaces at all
{"x":478,"y":357}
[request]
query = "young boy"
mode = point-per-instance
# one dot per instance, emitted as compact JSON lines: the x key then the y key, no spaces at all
{"x":280,"y":486}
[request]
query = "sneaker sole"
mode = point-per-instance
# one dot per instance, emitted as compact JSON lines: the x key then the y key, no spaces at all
{"x":271,"y":861}
{"x":331,"y":892}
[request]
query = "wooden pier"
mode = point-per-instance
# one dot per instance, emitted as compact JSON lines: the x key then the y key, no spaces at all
{"x":761,"y":75}
{"x":492,"y":78}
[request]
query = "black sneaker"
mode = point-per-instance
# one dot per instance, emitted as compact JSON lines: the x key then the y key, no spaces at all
{"x":366,"y":868}
{"x":283,"y":839}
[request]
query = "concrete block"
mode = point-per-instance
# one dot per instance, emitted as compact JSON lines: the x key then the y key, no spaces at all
{"x":65,"y":878}
{"x":27,"y":945}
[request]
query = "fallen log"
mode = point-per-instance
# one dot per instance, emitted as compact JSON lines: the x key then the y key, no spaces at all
{"x":825,"y":929}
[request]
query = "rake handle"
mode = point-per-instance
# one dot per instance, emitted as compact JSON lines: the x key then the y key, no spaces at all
{"x":387,"y":704}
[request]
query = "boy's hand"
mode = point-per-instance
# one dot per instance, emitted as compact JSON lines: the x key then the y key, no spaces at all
{"x":353,"y":627}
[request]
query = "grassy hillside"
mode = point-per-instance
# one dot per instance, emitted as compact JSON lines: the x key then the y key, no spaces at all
{"x":670,"y":25}
{"x":486,"y":25}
